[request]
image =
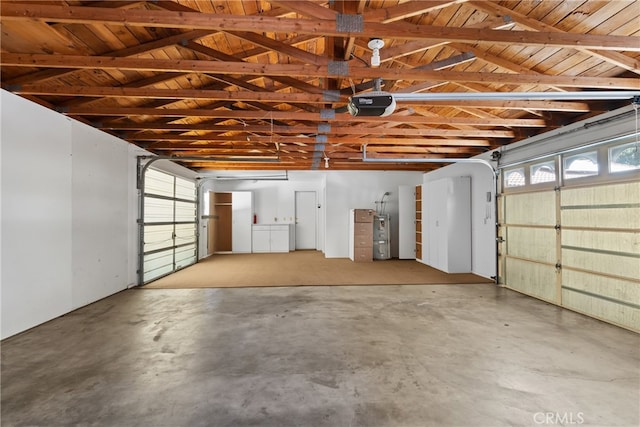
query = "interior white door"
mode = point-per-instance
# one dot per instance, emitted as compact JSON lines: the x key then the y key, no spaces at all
{"x":305,"y":220}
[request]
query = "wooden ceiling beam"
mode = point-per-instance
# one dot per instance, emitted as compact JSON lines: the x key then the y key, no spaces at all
{"x":203,"y":21}
{"x":287,"y":115}
{"x":282,"y":155}
{"x":144,"y":64}
{"x":284,"y":97}
{"x":153,"y":93}
{"x":359,"y":165}
{"x":334,"y":130}
{"x":254,"y":139}
{"x":422,"y":150}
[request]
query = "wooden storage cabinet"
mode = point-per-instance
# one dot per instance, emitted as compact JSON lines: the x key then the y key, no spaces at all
{"x":361,"y":235}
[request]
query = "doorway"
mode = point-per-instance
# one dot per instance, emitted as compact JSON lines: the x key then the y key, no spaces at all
{"x":306,"y":232}
{"x":229,"y":222}
{"x":220,"y":220}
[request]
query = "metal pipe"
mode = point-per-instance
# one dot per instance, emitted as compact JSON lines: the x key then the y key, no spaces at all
{"x":516,"y":96}
{"x":423,"y":160}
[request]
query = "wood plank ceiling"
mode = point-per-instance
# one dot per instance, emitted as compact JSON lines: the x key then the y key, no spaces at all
{"x":259,"y":85}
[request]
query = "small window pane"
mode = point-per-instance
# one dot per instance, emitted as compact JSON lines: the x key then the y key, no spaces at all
{"x":514,"y":178}
{"x":581,"y":165}
{"x":543,"y":172}
{"x":624,"y":157}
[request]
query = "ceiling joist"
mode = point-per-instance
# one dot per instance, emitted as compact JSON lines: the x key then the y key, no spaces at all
{"x":263,"y":84}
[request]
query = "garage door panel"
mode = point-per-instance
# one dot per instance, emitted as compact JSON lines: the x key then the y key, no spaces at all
{"x":531,"y":278}
{"x":625,"y":291}
{"x":157,"y":237}
{"x":185,"y":233}
{"x":600,"y":262}
{"x":158,"y":264}
{"x":603,"y":240}
{"x":185,"y":211}
{"x":611,"y":311}
{"x":158,"y":210}
{"x":602,"y":251}
{"x":158,"y":183}
{"x":608,"y":206}
{"x":185,"y":189}
{"x":531,"y":208}
{"x":536,"y":244}
{"x":611,"y":194}
{"x":605,"y":217}
{"x":185,"y":256}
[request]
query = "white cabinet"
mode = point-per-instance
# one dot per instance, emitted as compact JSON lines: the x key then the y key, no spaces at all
{"x":242,"y":214}
{"x":261,"y":238}
{"x":447,"y":229}
{"x":280,"y":238}
{"x":270,"y":238}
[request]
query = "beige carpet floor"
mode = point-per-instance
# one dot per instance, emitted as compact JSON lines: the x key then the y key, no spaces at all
{"x":304,"y":268}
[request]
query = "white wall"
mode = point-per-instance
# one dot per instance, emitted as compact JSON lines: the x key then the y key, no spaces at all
{"x":68,"y":215}
{"x":347,"y":190}
{"x":36,"y":215}
{"x":337,"y":192}
{"x":273,"y":201}
{"x":483,"y":231}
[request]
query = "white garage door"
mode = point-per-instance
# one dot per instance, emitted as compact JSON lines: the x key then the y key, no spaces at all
{"x":169,"y":224}
{"x":570,"y":230}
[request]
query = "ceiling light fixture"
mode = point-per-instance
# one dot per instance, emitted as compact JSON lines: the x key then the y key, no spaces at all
{"x":375,"y":45}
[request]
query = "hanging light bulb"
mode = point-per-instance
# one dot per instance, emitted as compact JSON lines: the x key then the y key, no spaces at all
{"x":326,"y":163}
{"x":375,"y":45}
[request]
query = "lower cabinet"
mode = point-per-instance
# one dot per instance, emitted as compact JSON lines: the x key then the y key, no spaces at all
{"x":270,"y":238}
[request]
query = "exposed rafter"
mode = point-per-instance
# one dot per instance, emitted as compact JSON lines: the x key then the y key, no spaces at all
{"x":244,"y":83}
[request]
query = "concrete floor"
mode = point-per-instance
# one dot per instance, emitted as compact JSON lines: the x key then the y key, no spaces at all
{"x":441,"y":355}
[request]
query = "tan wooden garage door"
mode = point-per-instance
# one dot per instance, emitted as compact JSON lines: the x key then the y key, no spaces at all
{"x":574,"y":244}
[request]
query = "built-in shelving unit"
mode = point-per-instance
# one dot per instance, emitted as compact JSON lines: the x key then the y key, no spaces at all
{"x":418,"y":194}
